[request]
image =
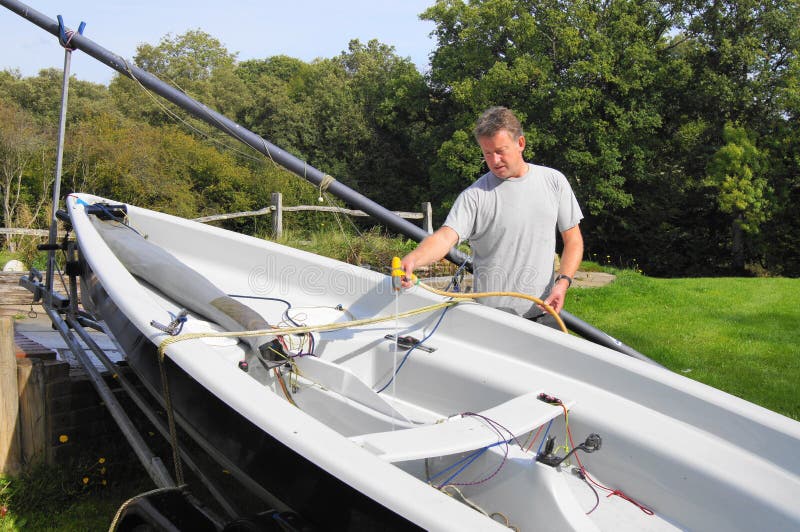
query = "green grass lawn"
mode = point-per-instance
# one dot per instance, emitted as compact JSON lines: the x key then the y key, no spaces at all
{"x":740,"y":335}
{"x":71,"y":497}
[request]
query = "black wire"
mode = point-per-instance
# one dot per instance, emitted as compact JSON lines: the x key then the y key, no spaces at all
{"x":460,"y":271}
{"x":265,"y":298}
{"x":285,"y":315}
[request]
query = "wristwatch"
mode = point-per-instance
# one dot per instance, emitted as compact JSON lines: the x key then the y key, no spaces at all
{"x":562,"y":276}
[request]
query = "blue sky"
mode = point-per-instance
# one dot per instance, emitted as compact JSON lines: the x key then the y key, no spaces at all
{"x":253,"y":28}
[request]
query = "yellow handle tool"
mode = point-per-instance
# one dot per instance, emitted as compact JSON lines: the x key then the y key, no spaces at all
{"x":397,"y":274}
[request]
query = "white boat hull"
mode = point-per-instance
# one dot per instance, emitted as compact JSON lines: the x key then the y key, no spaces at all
{"x":699,"y":458}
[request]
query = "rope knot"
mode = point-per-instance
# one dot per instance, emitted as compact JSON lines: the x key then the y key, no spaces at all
{"x":65,"y":36}
{"x":324,"y":184}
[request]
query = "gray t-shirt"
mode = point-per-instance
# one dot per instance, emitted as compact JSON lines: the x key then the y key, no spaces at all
{"x":511,"y":227}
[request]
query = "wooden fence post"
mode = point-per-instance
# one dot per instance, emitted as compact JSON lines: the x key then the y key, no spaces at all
{"x":10,"y":456}
{"x":276,"y":204}
{"x":427,"y":217}
{"x":32,"y":411}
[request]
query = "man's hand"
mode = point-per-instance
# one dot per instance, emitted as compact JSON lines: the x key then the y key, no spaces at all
{"x":557,"y":295}
{"x":408,"y":267}
{"x":433,"y":248}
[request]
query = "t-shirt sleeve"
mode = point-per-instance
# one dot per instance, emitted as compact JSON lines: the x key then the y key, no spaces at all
{"x":462,"y":216}
{"x":569,"y":212}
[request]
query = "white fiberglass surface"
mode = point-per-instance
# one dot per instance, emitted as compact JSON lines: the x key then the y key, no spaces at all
{"x":702,"y":457}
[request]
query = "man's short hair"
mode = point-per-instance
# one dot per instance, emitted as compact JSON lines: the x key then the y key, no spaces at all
{"x":496,"y":119}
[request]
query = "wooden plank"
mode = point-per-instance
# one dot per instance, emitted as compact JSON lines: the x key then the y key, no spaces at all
{"x":427,"y":217}
{"x":24,"y":347}
{"x":351,"y":212}
{"x":11,"y":293}
{"x":22,"y":231}
{"x":216,"y":217}
{"x":32,"y":410}
{"x":10,"y":456}
{"x":298,"y":208}
{"x":276,"y":204}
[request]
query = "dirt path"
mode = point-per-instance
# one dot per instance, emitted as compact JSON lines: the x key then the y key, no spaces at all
{"x":593,"y":279}
{"x":582,"y":280}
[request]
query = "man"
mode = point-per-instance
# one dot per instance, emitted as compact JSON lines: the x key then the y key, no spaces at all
{"x":510,"y":216}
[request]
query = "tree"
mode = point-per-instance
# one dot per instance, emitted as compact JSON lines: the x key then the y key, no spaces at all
{"x":734,"y":62}
{"x":194,"y":62}
{"x":25,"y":176}
{"x":41,"y":95}
{"x":393,"y":98}
{"x":735,"y":173}
{"x":278,"y":109}
{"x":581,"y":75}
{"x":360,"y":117}
{"x":630,"y":100}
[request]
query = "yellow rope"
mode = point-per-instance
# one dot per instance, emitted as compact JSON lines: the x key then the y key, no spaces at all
{"x":299,"y":330}
{"x":462,"y":295}
{"x":126,"y":504}
{"x":455,"y":297}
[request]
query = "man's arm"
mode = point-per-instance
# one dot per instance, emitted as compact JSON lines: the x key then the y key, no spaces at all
{"x":571,"y":257}
{"x":433,"y":248}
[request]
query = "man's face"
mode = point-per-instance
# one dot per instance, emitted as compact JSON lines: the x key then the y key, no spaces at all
{"x":503,"y":154}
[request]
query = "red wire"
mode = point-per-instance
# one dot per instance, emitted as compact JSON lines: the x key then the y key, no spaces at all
{"x":611,"y":492}
{"x":534,"y":438}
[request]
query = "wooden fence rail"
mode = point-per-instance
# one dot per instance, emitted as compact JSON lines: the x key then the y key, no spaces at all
{"x":26,"y":232}
{"x":276,"y":210}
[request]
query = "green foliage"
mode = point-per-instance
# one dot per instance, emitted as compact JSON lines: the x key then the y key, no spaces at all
{"x":735,"y":173}
{"x":577,"y":75}
{"x":25,"y":176}
{"x":630,"y":100}
{"x":735,"y":170}
{"x":195,"y":63}
{"x":85,"y":495}
{"x":371,"y":248}
{"x":41,"y":96}
{"x":359,"y":117}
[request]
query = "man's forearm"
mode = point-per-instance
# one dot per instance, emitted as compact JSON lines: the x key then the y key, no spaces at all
{"x":572,"y":254}
{"x":433,"y":248}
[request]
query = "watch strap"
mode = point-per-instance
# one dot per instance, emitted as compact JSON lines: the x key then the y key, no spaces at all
{"x":562,"y":276}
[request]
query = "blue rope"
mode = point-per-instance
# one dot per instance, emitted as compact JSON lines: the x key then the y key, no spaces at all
{"x":546,"y":432}
{"x":181,"y":320}
{"x":469,"y":459}
{"x":405,"y":357}
{"x":474,"y":456}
